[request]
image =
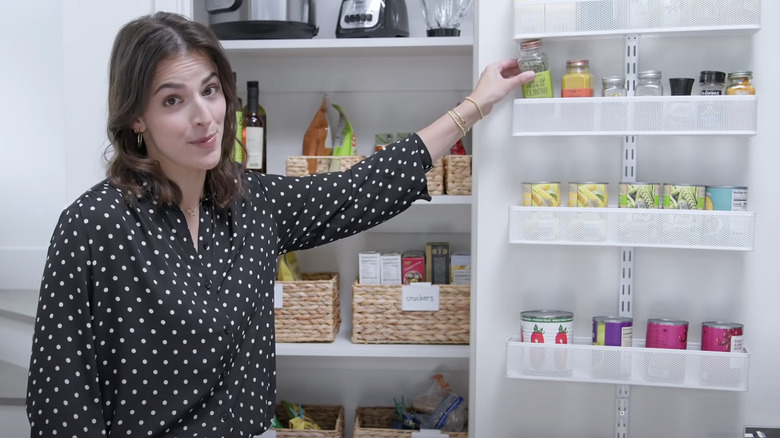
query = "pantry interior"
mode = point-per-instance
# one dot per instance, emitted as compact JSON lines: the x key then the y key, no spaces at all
{"x":398,"y":87}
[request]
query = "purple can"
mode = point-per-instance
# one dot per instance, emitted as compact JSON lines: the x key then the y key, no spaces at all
{"x":667,"y":333}
{"x":616,"y":331}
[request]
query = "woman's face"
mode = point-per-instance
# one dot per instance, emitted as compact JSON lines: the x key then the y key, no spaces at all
{"x":183,"y":121}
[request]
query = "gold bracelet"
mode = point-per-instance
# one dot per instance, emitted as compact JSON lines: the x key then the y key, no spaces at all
{"x":454,"y":117}
{"x":479,"y":108}
{"x":462,"y":120}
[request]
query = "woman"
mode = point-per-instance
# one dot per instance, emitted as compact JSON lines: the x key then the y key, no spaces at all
{"x":156,"y":305}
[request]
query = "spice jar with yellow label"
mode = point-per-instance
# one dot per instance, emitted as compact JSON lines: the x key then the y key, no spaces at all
{"x":577,"y":82}
{"x":740,"y":83}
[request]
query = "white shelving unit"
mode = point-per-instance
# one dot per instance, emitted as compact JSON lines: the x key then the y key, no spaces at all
{"x":636,"y":365}
{"x":351,"y":47}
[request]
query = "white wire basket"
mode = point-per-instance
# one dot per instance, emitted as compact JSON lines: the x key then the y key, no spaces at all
{"x":643,"y":115}
{"x":637,"y":365}
{"x":551,"y":18}
{"x":654,"y":228}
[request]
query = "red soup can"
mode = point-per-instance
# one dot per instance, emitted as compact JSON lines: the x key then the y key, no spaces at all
{"x":721,"y":336}
{"x":667,"y":333}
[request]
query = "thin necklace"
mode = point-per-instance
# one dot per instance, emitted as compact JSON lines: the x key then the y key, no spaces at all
{"x":194,"y":210}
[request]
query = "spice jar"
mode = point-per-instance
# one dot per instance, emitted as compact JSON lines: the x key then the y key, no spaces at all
{"x":577,"y":82}
{"x":739,"y":83}
{"x":532,"y":58}
{"x":711,"y":82}
{"x":649,"y":83}
{"x":613,"y":86}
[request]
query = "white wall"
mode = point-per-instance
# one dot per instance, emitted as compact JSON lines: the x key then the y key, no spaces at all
{"x":690,"y":284}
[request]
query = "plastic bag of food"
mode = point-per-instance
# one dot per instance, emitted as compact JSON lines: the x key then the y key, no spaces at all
{"x":288,"y":267}
{"x":440,"y":408}
{"x":344,"y":141}
{"x":316,"y":139}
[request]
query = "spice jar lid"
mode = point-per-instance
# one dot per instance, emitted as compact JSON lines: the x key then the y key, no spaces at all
{"x":741,"y":74}
{"x":649,"y":74}
{"x":613,"y":80}
{"x":530,"y":44}
{"x":710,"y":76}
{"x":577,"y":63}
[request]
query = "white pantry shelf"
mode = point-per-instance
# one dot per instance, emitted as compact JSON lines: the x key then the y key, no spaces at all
{"x":631,"y":227}
{"x":636,"y":365}
{"x":358,"y":47}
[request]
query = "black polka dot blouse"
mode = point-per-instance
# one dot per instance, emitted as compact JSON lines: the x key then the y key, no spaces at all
{"x":138,"y":334}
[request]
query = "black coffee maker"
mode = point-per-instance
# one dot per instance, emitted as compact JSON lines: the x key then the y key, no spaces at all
{"x":372,"y":19}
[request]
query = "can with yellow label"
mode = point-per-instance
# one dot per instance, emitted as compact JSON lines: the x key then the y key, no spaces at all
{"x":542,"y":194}
{"x":588,"y":194}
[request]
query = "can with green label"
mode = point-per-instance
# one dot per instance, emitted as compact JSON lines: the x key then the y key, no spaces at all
{"x":683,"y":197}
{"x":639,"y":195}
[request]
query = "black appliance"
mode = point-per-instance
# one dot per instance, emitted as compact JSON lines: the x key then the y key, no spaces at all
{"x":372,"y":19}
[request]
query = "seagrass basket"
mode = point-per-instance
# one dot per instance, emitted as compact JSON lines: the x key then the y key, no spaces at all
{"x":310,"y":309}
{"x":457,"y":177}
{"x":372,"y":422}
{"x":378,"y":318}
{"x":329,"y":418}
{"x":309,"y":165}
{"x":435,"y":177}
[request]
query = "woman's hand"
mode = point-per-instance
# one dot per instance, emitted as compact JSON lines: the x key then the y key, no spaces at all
{"x":497,"y":81}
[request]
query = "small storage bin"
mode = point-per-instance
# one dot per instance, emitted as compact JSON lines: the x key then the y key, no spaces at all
{"x":329,"y":418}
{"x":309,"y":165}
{"x":372,"y":422}
{"x":457,"y":178}
{"x":378,"y":318}
{"x":435,"y":178}
{"x":310,"y":309}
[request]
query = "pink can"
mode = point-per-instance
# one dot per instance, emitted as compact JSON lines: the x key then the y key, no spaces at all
{"x":667,"y":333}
{"x":721,"y":336}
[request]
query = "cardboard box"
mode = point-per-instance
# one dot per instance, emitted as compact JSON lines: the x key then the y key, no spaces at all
{"x":413,"y":267}
{"x":437,"y":262}
{"x":390,"y":268}
{"x":369,"y":268}
{"x":460,"y":266}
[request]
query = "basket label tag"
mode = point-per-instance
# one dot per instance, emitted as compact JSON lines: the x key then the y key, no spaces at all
{"x":270,"y":433}
{"x":429,"y":433}
{"x":420,"y":296}
{"x":278,"y":296}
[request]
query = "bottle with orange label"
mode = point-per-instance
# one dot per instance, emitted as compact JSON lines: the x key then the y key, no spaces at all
{"x":577,"y":82}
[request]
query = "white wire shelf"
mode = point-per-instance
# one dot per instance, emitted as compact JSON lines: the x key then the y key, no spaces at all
{"x":570,"y":18}
{"x":644,"y":115}
{"x":637,"y":365}
{"x":654,"y":228}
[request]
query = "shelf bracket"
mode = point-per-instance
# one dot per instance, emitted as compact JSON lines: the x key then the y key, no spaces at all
{"x":626,"y":292}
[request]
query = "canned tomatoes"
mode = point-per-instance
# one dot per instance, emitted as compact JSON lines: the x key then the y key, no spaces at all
{"x":547,"y":326}
{"x":683,"y":197}
{"x":725,"y":198}
{"x":616,"y":331}
{"x":721,"y":336}
{"x":542,"y":194}
{"x":639,"y":195}
{"x":588,"y":194}
{"x":667,"y":333}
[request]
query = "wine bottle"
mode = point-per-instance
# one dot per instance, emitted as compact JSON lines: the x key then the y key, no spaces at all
{"x":254,"y":130}
{"x":238,"y":150}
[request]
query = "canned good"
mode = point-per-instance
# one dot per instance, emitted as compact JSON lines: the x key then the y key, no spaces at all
{"x":616,"y":331}
{"x":639,"y":195}
{"x":542,"y":194}
{"x":667,"y":333}
{"x":547,"y":327}
{"x":725,"y":198}
{"x":588,"y":194}
{"x":683,"y":197}
{"x":721,"y":336}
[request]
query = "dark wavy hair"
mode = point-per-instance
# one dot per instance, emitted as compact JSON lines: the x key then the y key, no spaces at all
{"x":138,"y":48}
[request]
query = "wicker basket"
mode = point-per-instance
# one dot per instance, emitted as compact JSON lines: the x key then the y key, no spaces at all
{"x":377,"y":317}
{"x":373,"y":423}
{"x":457,"y":178}
{"x":435,"y":177}
{"x":310,"y":309}
{"x":309,"y":165}
{"x":329,"y":418}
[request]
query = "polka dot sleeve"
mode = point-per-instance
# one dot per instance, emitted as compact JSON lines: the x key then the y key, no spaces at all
{"x":63,"y":396}
{"x":319,"y":209}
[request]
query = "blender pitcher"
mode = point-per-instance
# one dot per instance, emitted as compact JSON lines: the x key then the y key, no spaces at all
{"x":443,"y":16}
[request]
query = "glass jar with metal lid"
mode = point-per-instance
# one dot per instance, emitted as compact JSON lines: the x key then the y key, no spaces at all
{"x":577,"y":82}
{"x":613,"y":86}
{"x":649,"y":83}
{"x":740,"y":83}
{"x":532,"y":58}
